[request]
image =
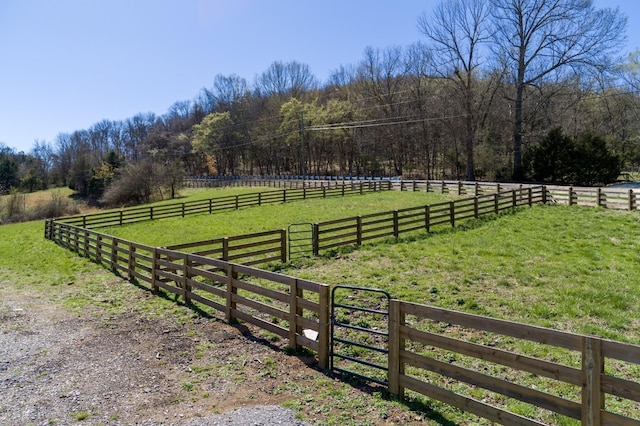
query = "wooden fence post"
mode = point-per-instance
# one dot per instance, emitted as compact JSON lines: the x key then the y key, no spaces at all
{"x":592,"y":369}
{"x":514,"y":199}
{"x":459,"y":187}
{"x":571,"y":195}
{"x":396,"y":346}
{"x":452,"y":213}
{"x":600,"y":200}
{"x":358,"y":231}
{"x":476,"y":213}
{"x":294,"y":312}
{"x":154,"y":269}
{"x":85,"y":236}
{"x":427,"y":218}
{"x":114,"y":254}
{"x":315,"y":239}
{"x":183,"y":206}
{"x":151,"y":213}
{"x":396,"y":225}
{"x":225,"y":249}
{"x":186,"y":288}
{"x":76,"y":240}
{"x":530,"y":196}
{"x":284,"y":195}
{"x":544,"y":194}
{"x":631,"y":199}
{"x":496,"y":202}
{"x":98,"y":248}
{"x":132,"y":262}
{"x":324,"y":322}
{"x":210,"y":205}
{"x":283,"y":245}
{"x":237,"y":202}
{"x":231,"y":290}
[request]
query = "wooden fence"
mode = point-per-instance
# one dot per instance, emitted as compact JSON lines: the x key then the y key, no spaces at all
{"x":607,"y":197}
{"x":249,"y":249}
{"x":467,"y":350}
{"x":359,"y":229}
{"x":211,"y":205}
{"x":432,"y":351}
{"x":281,"y":304}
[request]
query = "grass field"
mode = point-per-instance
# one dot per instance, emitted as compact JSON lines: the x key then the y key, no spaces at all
{"x":178,"y":230}
{"x":569,"y":268}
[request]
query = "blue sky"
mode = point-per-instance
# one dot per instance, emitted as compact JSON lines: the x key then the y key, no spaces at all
{"x":67,"y":64}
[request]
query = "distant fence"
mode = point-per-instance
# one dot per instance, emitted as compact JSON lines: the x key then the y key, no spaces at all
{"x":211,"y":205}
{"x":358,"y":229}
{"x":436,"y":362}
{"x":606,"y":197}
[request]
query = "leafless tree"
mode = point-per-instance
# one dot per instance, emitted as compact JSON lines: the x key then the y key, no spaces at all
{"x":540,"y":39}
{"x":460,"y":35}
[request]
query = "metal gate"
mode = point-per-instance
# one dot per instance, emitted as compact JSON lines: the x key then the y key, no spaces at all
{"x":360,"y":333}
{"x":300,"y":237}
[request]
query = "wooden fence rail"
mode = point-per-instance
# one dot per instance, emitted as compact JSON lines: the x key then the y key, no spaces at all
{"x":608,"y":197}
{"x":356,"y":230}
{"x":432,"y":351}
{"x":249,"y":249}
{"x":281,"y":304}
{"x":211,"y":205}
{"x":585,"y":391}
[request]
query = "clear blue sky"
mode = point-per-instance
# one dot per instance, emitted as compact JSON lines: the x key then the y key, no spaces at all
{"x":67,"y":64}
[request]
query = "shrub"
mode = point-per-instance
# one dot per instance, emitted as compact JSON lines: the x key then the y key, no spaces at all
{"x":560,"y":159}
{"x":56,"y":206}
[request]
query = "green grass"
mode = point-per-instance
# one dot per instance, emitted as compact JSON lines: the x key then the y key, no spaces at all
{"x":569,"y":268}
{"x":164,"y":232}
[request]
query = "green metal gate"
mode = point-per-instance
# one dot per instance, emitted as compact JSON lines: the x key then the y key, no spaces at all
{"x":360,"y":333}
{"x":300,"y":236}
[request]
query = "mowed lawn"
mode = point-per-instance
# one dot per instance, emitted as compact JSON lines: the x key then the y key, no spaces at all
{"x":568,"y":268}
{"x":246,"y":220}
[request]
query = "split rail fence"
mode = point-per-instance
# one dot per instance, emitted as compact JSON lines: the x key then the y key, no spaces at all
{"x":359,"y":229}
{"x":287,"y":306}
{"x":219,"y":204}
{"x":278,"y":303}
{"x":589,"y":387}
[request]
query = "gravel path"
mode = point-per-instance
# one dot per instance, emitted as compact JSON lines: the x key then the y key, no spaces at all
{"x":55,"y":366}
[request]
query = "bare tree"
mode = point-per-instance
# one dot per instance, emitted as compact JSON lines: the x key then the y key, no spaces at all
{"x":540,"y":39}
{"x":291,"y":78}
{"x":458,"y":31}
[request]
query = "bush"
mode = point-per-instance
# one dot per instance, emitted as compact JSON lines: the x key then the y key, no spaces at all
{"x":585,"y":161}
{"x":142,"y":183}
{"x":56,"y":206}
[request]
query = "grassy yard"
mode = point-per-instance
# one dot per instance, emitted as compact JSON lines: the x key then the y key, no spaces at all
{"x":247,"y":220}
{"x":569,"y":268}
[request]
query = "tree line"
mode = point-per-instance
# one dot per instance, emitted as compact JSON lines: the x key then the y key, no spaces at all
{"x":491,"y":92}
